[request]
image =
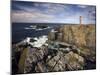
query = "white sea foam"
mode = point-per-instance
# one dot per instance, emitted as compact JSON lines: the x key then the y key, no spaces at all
{"x":42,"y":28}
{"x":28,"y":28}
{"x":37,"y":43}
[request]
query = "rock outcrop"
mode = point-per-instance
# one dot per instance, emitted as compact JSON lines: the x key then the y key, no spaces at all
{"x":69,"y":48}
{"x":84,"y":36}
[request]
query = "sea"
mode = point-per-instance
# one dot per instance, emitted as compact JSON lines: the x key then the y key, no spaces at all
{"x":20,"y":32}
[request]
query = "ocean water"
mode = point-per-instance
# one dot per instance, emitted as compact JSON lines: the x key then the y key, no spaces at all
{"x":19,"y":32}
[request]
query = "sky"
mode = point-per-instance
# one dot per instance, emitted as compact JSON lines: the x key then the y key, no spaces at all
{"x":40,"y":12}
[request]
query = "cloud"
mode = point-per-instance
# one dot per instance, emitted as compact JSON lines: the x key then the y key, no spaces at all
{"x":22,"y":16}
{"x":82,"y":6}
{"x":35,"y":12}
{"x":49,"y":8}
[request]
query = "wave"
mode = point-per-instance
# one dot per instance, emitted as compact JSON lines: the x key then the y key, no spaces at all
{"x":29,"y":28}
{"x":37,"y":29}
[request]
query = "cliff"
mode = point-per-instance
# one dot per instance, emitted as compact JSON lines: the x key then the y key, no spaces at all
{"x":80,"y":36}
{"x":83,"y":37}
{"x":69,"y":47}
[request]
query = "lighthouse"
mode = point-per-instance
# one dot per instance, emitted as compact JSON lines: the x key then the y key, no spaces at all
{"x":80,"y":20}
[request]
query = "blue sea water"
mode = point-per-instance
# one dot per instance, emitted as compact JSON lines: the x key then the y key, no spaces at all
{"x":19,"y":32}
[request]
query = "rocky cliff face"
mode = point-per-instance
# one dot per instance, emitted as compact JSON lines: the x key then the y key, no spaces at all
{"x":80,"y":36}
{"x":83,"y":37}
{"x":70,"y":48}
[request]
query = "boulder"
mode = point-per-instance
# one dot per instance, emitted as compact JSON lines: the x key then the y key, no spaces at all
{"x":56,"y":63}
{"x":74,"y":61}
